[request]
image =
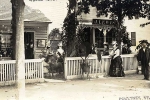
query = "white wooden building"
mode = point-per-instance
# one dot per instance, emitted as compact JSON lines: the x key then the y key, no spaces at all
{"x":36,"y":30}
{"x":102,"y":26}
{"x":136,"y":33}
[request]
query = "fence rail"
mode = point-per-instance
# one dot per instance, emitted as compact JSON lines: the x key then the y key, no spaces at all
{"x":33,"y":71}
{"x":73,"y":69}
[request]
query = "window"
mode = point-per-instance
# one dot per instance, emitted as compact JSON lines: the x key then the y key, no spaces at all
{"x":133,"y":38}
{"x":5,"y":48}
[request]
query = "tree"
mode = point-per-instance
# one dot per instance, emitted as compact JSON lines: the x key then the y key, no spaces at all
{"x":18,"y":45}
{"x":53,"y":33}
{"x":117,"y":9}
{"x":69,"y":27}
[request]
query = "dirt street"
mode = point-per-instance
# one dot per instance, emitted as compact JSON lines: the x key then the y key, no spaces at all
{"x":131,"y":87}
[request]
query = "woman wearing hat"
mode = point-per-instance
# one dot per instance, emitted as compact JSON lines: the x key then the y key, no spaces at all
{"x":144,"y":58}
{"x":60,"y":57}
{"x":116,"y":69}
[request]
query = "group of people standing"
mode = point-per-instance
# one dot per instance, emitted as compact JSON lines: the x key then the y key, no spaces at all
{"x":116,"y":69}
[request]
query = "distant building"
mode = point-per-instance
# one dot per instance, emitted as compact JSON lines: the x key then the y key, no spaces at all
{"x":55,"y":39}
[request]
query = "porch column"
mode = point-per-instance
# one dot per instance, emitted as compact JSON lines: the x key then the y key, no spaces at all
{"x":104,"y":36}
{"x":93,"y":35}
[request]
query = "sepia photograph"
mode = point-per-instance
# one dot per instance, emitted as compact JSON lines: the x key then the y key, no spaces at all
{"x":74,"y":49}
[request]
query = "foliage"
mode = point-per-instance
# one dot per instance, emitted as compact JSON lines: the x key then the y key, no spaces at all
{"x":117,"y":9}
{"x":125,"y":38}
{"x":130,"y":8}
{"x":84,"y":47}
{"x":69,"y":31}
{"x":70,"y":27}
{"x":53,"y":33}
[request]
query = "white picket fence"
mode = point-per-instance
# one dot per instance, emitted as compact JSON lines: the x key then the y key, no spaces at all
{"x":72,"y":65}
{"x":33,"y":71}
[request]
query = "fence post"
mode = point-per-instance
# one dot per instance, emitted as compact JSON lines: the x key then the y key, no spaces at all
{"x":96,"y":64}
{"x":65,"y":68}
{"x":42,"y":68}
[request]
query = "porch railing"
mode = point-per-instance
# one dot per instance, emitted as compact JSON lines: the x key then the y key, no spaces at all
{"x":33,"y":71}
{"x":72,"y":65}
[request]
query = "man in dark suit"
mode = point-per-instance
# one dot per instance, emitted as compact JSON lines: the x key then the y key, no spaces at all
{"x":144,"y":59}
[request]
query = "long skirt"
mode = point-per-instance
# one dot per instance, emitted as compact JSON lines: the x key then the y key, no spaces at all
{"x":116,"y":68}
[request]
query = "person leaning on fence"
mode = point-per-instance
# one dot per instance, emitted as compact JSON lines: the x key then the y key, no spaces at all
{"x":106,"y":49}
{"x":116,"y":68}
{"x":93,"y":48}
{"x":143,"y":57}
{"x":126,"y":49}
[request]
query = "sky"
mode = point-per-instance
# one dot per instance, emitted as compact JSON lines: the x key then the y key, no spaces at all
{"x":55,"y":10}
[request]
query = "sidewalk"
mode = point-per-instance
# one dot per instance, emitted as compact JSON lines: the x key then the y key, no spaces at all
{"x":131,"y":87}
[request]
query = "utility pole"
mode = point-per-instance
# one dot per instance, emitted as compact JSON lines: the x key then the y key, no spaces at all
{"x":18,"y":43}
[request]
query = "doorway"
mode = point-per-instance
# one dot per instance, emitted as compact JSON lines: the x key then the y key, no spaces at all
{"x":29,"y":45}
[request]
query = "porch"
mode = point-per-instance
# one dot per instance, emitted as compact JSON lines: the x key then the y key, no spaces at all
{"x":98,"y":69}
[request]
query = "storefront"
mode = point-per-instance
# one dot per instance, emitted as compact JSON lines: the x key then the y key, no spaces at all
{"x":35,"y":39}
{"x":100,"y":31}
{"x":36,"y":30}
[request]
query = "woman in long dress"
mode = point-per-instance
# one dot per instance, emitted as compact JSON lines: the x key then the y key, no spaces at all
{"x":60,"y":58}
{"x":116,"y":68}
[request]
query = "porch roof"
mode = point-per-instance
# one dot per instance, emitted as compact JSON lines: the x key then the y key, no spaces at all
{"x":29,"y":13}
{"x":105,"y":27}
{"x":89,"y":24}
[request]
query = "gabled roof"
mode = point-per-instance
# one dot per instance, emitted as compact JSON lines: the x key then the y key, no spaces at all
{"x":29,"y":13}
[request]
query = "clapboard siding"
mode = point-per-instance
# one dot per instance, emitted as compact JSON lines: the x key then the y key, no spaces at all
{"x":40,"y":30}
{"x":40,"y":33}
{"x":41,"y":36}
{"x":39,"y":24}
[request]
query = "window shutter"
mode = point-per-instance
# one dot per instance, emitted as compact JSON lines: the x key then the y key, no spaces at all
{"x":133,"y":38}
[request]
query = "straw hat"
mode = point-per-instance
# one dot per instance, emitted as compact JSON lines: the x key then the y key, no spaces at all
{"x":114,"y":42}
{"x":50,"y":54}
{"x":60,"y":44}
{"x":105,"y":43}
{"x":144,"y":41}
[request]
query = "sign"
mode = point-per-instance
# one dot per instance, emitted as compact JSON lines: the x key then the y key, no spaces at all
{"x":104,"y":22}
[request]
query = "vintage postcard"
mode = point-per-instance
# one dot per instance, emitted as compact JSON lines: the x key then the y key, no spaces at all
{"x":74,"y":49}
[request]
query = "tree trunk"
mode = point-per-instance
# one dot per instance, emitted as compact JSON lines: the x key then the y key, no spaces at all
{"x":13,"y":22}
{"x":18,"y":37}
{"x":119,"y":22}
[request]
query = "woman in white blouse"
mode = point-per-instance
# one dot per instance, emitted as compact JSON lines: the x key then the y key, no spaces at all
{"x":116,"y":69}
